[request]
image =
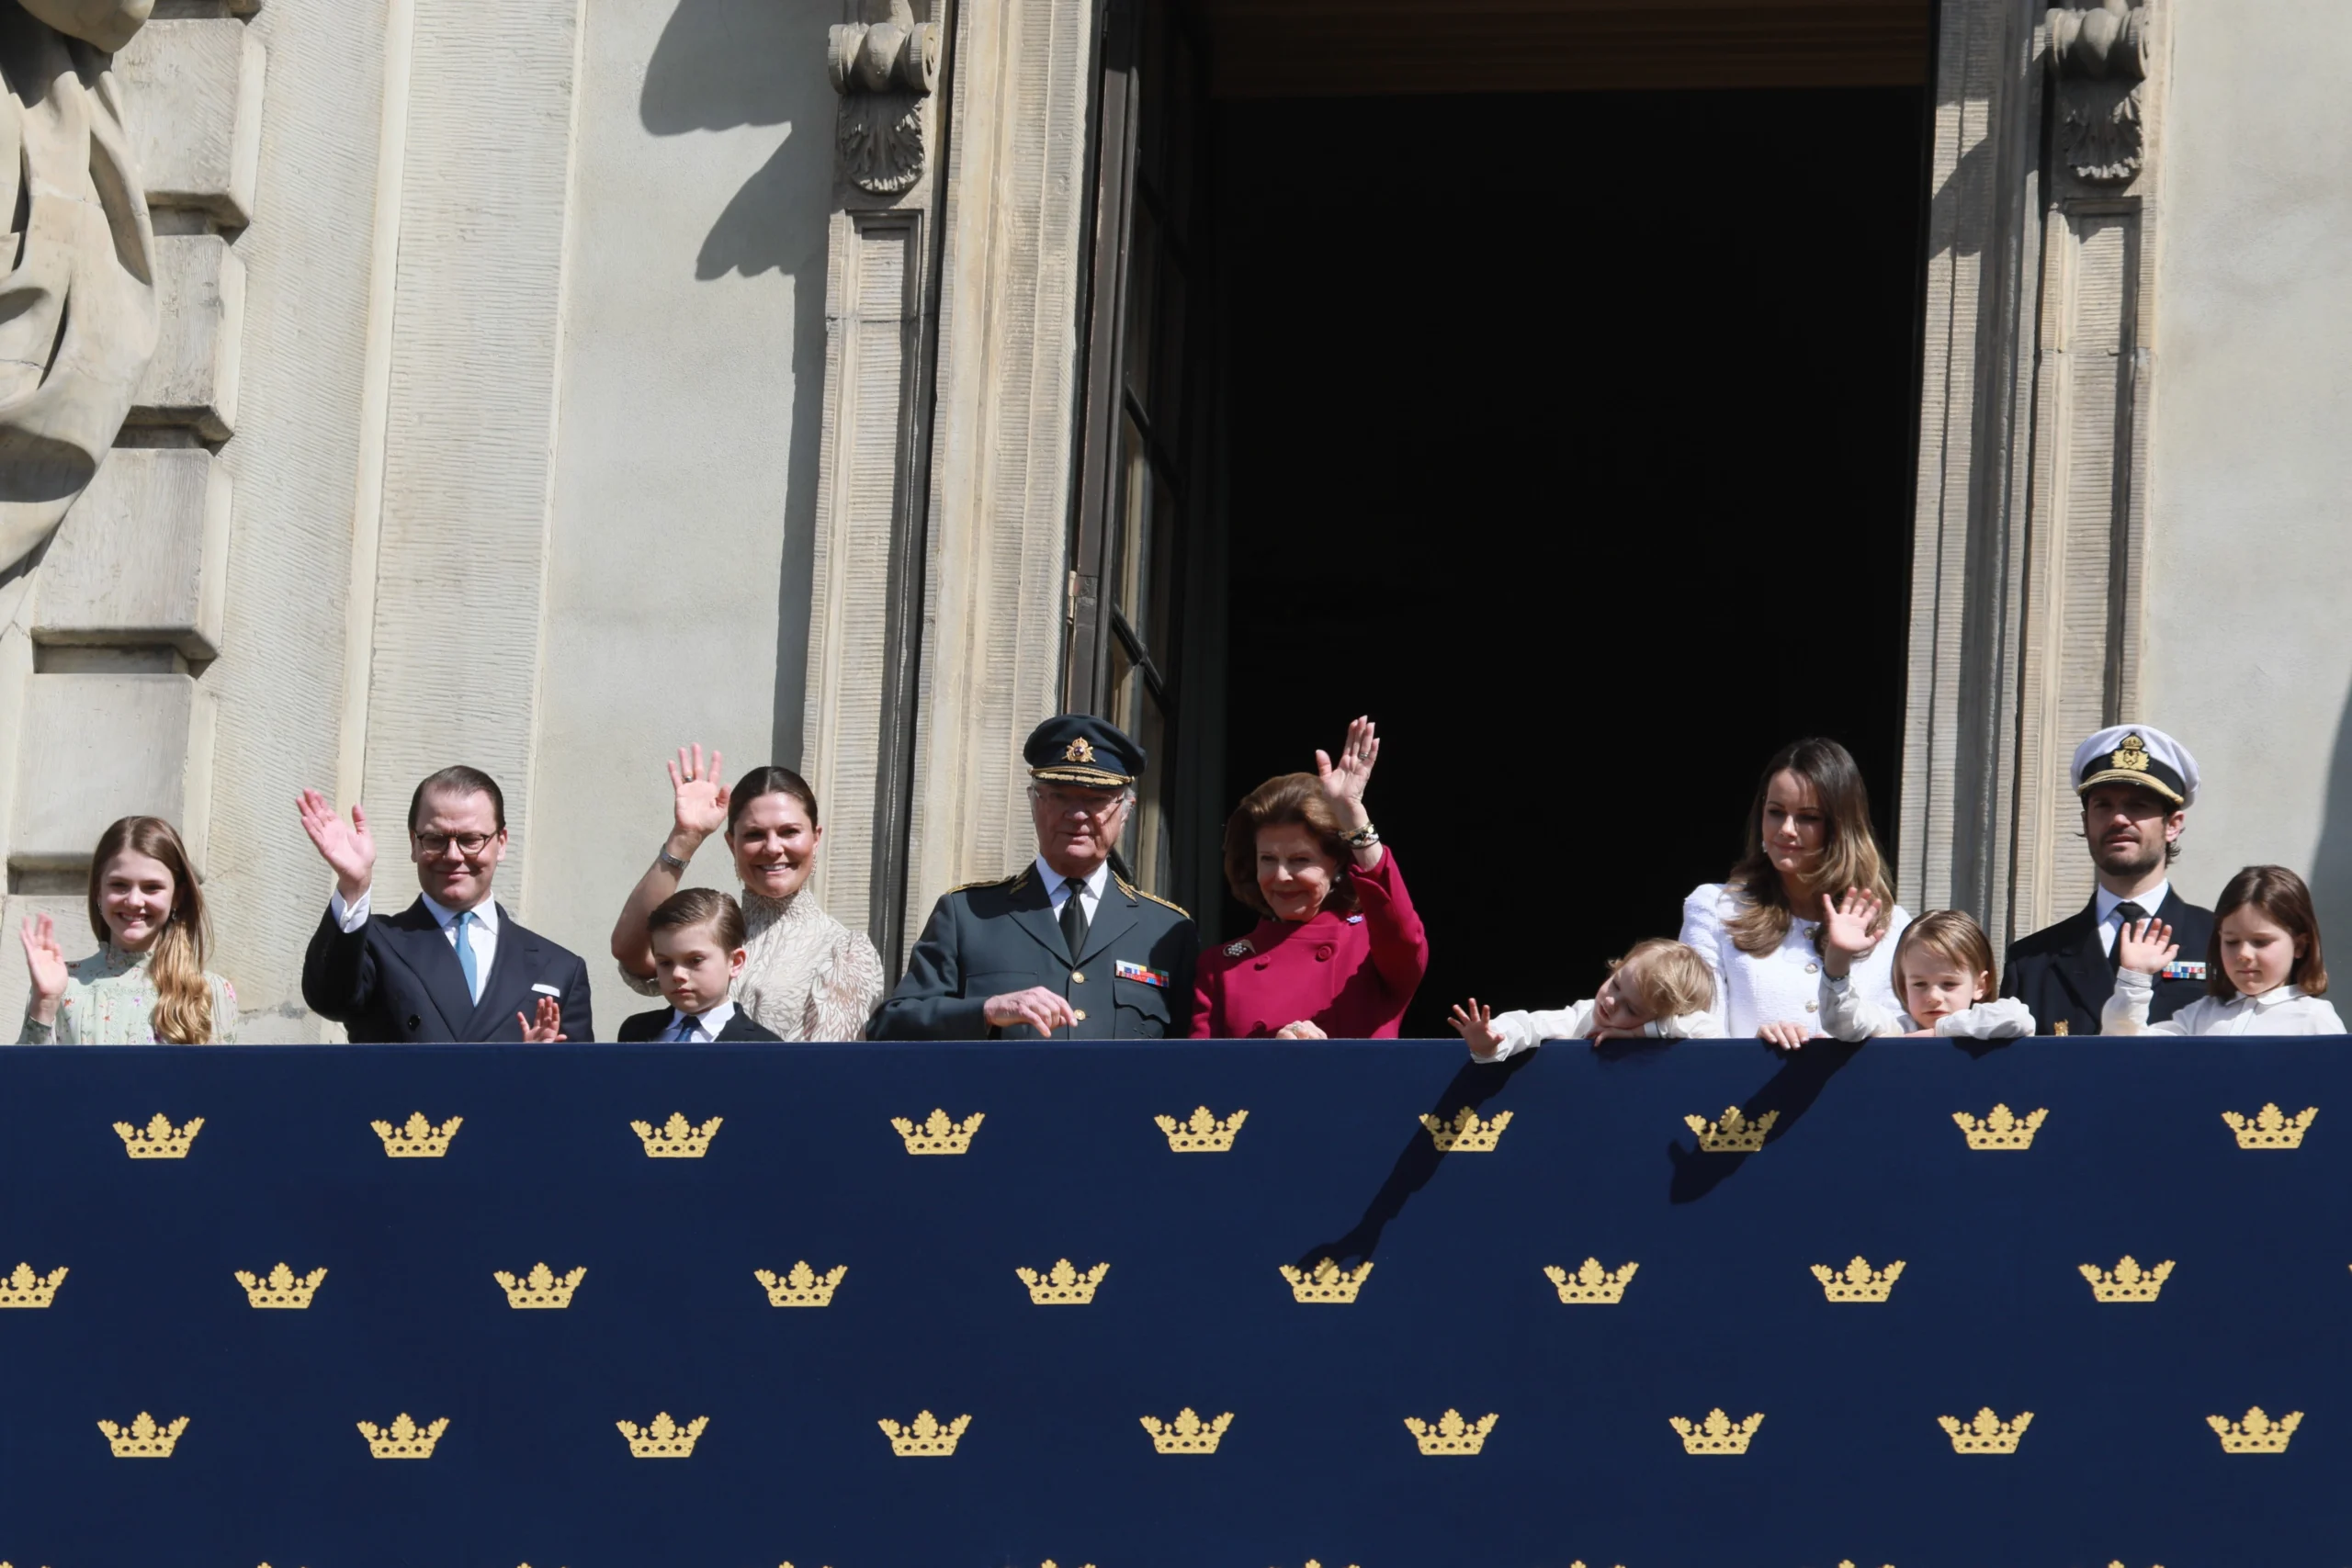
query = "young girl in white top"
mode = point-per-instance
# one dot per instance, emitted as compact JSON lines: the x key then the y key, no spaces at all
{"x":1943,"y":971}
{"x":2262,"y":974}
{"x":1808,"y":835}
{"x":1659,"y":990}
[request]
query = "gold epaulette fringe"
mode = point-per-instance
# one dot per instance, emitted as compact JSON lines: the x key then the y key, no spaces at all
{"x":1132,"y":891}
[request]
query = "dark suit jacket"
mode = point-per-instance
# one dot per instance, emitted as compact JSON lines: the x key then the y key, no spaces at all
{"x":645,"y":1026}
{"x":2064,"y":976}
{"x":995,"y":937}
{"x":396,"y":981}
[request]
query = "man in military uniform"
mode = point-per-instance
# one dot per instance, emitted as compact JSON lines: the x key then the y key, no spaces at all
{"x":2136,"y":785}
{"x":1065,"y":948}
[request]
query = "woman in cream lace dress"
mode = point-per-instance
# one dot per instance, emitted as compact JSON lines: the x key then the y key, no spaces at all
{"x":806,"y":976}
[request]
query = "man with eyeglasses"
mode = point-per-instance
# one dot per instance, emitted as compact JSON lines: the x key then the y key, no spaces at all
{"x":1065,"y":948}
{"x":453,"y":967}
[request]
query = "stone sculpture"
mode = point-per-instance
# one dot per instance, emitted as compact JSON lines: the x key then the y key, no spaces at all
{"x":77,"y":305}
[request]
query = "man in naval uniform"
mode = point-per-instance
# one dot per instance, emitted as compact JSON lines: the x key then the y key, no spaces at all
{"x":2136,"y":785}
{"x":1065,"y":947}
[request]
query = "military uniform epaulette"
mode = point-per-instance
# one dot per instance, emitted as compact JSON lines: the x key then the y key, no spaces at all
{"x":1008,"y":882}
{"x":1132,"y":891}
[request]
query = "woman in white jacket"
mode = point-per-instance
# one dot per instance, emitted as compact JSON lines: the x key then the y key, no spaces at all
{"x":1809,"y":837}
{"x":2263,"y":976}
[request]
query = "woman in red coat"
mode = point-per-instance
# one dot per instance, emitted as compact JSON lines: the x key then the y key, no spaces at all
{"x":1339,"y":952}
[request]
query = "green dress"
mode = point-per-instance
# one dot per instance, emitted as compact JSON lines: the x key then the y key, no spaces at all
{"x":109,"y":1000}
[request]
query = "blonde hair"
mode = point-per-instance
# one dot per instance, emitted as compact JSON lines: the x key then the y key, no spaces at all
{"x":1672,"y":978}
{"x":182,"y":1013}
{"x":1954,"y":936}
{"x":1850,"y":851}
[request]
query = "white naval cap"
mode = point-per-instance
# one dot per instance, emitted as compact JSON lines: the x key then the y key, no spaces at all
{"x":2135,"y":753}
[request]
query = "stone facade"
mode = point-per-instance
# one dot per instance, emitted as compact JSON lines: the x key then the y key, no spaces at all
{"x":548,"y":384}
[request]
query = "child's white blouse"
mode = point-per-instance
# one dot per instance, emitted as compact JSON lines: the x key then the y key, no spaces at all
{"x":1525,"y":1030}
{"x":1846,"y":1014}
{"x":1784,"y":985}
{"x":2284,"y":1009}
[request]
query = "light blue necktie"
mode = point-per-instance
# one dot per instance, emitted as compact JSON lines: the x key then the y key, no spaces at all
{"x":466,"y":959}
{"x":682,"y":1030}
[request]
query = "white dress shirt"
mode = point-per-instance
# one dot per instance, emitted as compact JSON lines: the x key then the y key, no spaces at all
{"x":1525,"y":1030}
{"x":482,"y":932}
{"x":702,"y":1028}
{"x":2109,"y":924}
{"x":2282,"y":1010}
{"x":1784,"y":985}
{"x":1090,"y":888}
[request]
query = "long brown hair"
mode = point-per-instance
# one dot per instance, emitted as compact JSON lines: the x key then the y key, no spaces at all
{"x":1850,"y":851}
{"x":175,"y":962}
{"x":1284,"y":798}
{"x":2280,"y":894}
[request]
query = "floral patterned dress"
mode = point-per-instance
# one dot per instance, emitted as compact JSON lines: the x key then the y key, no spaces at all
{"x":110,"y":1000}
{"x":805,"y":976}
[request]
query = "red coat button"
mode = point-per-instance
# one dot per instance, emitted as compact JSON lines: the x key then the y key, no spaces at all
{"x":1323,"y":954}
{"x":1262,"y":963}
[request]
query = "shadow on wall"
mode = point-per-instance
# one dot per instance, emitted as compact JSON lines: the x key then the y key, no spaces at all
{"x":2332,"y":864}
{"x":723,"y":65}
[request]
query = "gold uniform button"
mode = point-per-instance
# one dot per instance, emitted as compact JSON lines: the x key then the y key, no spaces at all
{"x":1082,"y":1015}
{"x":1077,"y":976}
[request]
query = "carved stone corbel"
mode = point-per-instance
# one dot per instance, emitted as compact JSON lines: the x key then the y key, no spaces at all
{"x":2098,"y":60}
{"x":884,"y":68}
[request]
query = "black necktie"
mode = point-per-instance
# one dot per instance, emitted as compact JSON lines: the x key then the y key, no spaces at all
{"x":2127,"y":915}
{"x":1074,"y":918}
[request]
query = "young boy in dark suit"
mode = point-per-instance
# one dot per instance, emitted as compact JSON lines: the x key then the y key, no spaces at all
{"x":698,"y":941}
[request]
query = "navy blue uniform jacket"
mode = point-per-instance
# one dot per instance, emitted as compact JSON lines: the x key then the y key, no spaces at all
{"x":1133,"y":979}
{"x":396,"y":981}
{"x":647,"y":1026}
{"x":2063,"y":973}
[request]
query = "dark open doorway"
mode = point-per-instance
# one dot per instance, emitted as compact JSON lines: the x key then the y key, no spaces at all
{"x":1570,"y":436}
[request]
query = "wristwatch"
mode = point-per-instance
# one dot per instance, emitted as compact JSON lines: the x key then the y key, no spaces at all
{"x":664,"y":857}
{"x":1363,"y":838}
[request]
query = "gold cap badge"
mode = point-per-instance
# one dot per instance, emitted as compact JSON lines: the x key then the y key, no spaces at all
{"x":1077,"y":750}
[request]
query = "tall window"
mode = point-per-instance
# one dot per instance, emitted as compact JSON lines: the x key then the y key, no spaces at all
{"x":1137,"y":490}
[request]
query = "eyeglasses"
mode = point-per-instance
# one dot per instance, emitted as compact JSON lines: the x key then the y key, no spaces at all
{"x":1063,"y":802}
{"x":466,"y":844}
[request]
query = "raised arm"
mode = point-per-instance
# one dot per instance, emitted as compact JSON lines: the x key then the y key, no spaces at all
{"x":698,"y":802}
{"x":2141,"y":949}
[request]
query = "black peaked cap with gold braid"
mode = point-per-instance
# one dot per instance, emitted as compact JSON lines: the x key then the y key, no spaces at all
{"x":1080,"y":748}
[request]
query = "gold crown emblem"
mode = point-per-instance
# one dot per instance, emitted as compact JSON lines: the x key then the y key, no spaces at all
{"x":159,"y":1139}
{"x":1735,"y":1134}
{"x":677,"y":1138}
{"x":2131,"y":756}
{"x":144,"y":1438}
{"x":1718,"y":1434}
{"x":1063,"y":1285}
{"x":541,"y":1289}
{"x":2257,"y":1434}
{"x":1590,"y":1285}
{"x":2270,"y":1128}
{"x":1450,"y":1434}
{"x":1987,"y":1434}
{"x":1859,"y":1283}
{"x":1202,"y":1133}
{"x":801,"y":1286}
{"x":2001,"y":1128}
{"x":24,"y":1288}
{"x":1078,"y":750}
{"x":662,"y":1438}
{"x":403,"y":1438}
{"x":417,"y":1138}
{"x":2127,"y":1281}
{"x":283,"y":1288}
{"x":1327,"y":1283}
{"x":938,"y":1134}
{"x":1466,"y":1135}
{"x":1188,"y":1434}
{"x":925,"y":1436}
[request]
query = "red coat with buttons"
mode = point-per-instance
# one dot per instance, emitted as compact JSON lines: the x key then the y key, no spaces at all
{"x":1351,"y":976}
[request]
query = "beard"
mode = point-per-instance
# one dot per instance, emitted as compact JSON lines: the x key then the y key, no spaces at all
{"x":2132,"y":859}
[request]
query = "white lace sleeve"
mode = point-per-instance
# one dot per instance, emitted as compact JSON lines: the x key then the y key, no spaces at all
{"x":1525,"y":1030}
{"x":646,"y":987}
{"x":1702,"y":931}
{"x":1686,"y":1026}
{"x":2127,"y":1011}
{"x":845,"y":990}
{"x":2007,"y":1018}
